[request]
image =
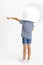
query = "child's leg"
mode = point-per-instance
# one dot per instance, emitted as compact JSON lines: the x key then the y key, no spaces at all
{"x":29,"y":50}
{"x":24,"y":51}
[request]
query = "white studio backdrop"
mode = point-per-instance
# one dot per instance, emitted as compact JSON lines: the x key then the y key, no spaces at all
{"x":10,"y":30}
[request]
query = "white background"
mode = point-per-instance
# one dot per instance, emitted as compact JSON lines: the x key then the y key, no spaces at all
{"x":10,"y":32}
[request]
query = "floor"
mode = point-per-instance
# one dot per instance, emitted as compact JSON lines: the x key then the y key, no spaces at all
{"x":9,"y":57}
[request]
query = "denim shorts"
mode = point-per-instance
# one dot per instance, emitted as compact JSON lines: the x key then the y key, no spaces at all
{"x":26,"y":41}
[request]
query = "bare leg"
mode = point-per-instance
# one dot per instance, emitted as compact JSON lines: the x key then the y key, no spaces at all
{"x":24,"y":51}
{"x":29,"y":50}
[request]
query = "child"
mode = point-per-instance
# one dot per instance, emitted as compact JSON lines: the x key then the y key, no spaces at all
{"x":27,"y":27}
{"x":29,"y":16}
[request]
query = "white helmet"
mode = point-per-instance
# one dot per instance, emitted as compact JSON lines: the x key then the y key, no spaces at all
{"x":31,"y":14}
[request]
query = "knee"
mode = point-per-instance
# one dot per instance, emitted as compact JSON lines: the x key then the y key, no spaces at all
{"x":24,"y":47}
{"x":28,"y":46}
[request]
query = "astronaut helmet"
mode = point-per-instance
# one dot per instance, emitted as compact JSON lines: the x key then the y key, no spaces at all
{"x":31,"y":14}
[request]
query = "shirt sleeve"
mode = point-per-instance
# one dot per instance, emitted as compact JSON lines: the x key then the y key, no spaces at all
{"x":21,"y":21}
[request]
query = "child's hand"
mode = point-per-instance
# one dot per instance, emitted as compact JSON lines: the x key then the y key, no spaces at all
{"x":8,"y":18}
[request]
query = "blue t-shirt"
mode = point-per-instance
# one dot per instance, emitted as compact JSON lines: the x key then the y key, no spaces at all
{"x":27,"y":27}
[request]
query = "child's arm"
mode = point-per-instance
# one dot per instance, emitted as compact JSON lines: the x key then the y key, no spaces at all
{"x":33,"y":27}
{"x":13,"y":18}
